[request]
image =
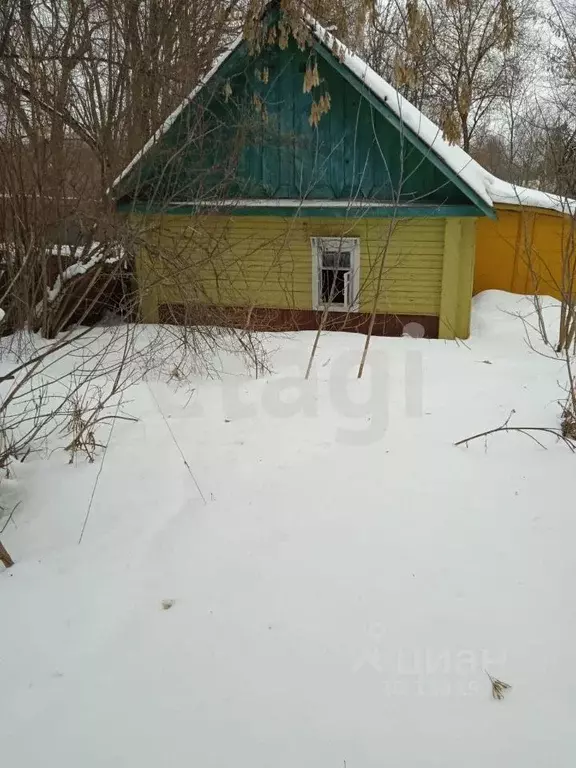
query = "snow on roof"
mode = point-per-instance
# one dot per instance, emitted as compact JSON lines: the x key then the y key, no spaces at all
{"x":455,"y":157}
{"x":505,"y":193}
{"x":488,"y":187}
{"x":170,"y":120}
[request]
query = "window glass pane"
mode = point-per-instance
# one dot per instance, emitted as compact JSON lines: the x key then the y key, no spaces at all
{"x":336,"y":259}
{"x":334,"y":286}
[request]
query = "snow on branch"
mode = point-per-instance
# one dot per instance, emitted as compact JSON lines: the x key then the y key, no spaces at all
{"x":96,"y":256}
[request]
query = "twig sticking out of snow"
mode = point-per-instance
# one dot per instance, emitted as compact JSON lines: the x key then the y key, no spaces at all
{"x":177,"y":444}
{"x":567,"y":440}
{"x":499,"y":687}
{"x":10,"y":516}
{"x":569,"y":423}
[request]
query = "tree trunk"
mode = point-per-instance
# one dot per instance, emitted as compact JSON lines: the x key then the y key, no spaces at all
{"x":465,"y":133}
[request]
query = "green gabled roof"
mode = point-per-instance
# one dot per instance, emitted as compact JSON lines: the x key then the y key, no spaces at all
{"x":390,"y":132}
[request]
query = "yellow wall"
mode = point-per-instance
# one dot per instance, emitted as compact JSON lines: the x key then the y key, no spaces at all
{"x":523,"y":251}
{"x":456,"y":296}
{"x":266,"y":261}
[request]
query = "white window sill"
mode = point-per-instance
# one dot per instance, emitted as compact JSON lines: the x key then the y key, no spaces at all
{"x":334,"y":308}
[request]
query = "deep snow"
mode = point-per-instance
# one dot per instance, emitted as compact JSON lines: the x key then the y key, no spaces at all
{"x":338,"y":594}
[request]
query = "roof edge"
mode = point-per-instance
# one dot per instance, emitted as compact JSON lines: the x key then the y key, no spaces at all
{"x":174,"y":115}
{"x":487,"y":188}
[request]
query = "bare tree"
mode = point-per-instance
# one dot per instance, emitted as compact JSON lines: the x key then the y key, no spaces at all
{"x":455,"y":59}
{"x":82,"y":85}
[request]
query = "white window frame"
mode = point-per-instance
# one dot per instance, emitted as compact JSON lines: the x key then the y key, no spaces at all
{"x":351,"y":244}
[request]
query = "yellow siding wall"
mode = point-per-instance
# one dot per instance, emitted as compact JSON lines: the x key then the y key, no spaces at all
{"x":466,"y":277}
{"x":523,"y":251}
{"x":407,"y":267}
{"x":458,"y":274}
{"x":267,"y":261}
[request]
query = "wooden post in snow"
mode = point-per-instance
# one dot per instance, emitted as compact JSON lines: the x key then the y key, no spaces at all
{"x":5,"y":557}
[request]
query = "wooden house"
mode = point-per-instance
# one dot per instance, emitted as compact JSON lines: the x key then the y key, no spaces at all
{"x":295,"y":189}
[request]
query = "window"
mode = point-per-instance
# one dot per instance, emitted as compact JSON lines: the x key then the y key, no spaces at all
{"x":336,"y":273}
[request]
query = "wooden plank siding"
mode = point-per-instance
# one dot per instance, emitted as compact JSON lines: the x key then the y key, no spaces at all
{"x":457,"y":279}
{"x":524,"y":251}
{"x":467,"y":254}
{"x":226,"y":145}
{"x":248,"y":261}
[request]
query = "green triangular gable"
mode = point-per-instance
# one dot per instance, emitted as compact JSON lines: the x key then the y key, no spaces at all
{"x":248,"y":135}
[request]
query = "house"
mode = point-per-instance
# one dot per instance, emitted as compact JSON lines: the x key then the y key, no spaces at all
{"x":296,"y":189}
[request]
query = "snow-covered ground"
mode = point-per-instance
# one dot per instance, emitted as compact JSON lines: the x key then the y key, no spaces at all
{"x":342,"y":575}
